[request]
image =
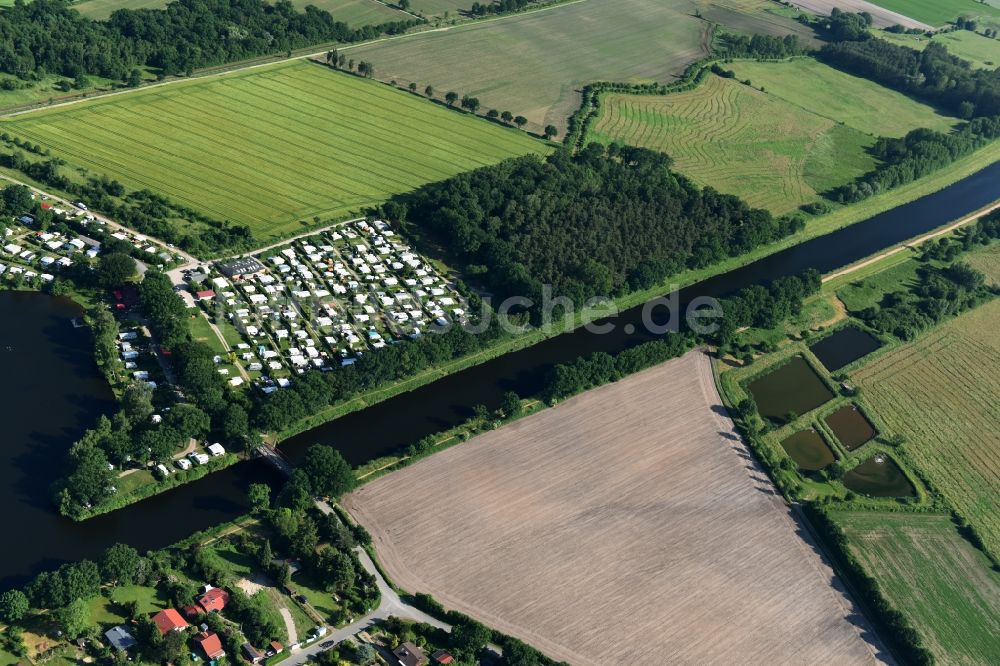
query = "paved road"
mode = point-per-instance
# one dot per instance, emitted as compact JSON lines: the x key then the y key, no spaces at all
{"x":389,"y":606}
{"x":188,"y":259}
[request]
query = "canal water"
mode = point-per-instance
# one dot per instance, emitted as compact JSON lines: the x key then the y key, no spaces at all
{"x":397,"y":422}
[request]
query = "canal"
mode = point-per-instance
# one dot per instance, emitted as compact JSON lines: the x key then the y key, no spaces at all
{"x":379,"y":429}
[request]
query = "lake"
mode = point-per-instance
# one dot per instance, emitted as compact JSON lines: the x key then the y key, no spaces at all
{"x":397,"y":422}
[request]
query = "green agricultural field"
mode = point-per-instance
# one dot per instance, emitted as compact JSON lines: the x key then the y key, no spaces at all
{"x":534,"y":64}
{"x":740,"y":141}
{"x":856,"y":102}
{"x":940,"y":393}
{"x":352,"y":12}
{"x":935,"y":577}
{"x":808,"y":133}
{"x":273,"y":146}
{"x":981,"y":51}
{"x":938,"y":12}
{"x":439,"y":8}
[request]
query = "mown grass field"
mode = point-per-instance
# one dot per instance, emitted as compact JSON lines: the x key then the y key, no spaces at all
{"x":272,"y":146}
{"x":352,"y":12}
{"x":533,"y":64}
{"x":940,"y":392}
{"x":981,"y":51}
{"x":938,"y":579}
{"x":740,"y":141}
{"x":938,"y":12}
{"x":777,"y":149}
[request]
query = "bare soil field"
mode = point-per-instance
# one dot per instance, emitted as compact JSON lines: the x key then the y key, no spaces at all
{"x":627,"y":525}
{"x":883,"y":17}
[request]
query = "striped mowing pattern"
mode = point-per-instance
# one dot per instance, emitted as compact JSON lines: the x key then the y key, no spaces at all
{"x":273,"y":146}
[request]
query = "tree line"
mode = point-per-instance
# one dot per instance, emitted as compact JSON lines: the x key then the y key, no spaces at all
{"x":760,"y":306}
{"x":145,"y":211}
{"x":919,"y":153}
{"x":50,"y":37}
{"x":603,"y":222}
{"x":940,"y":291}
{"x":933,"y":74}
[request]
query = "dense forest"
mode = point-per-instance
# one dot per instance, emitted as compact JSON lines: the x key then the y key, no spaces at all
{"x":49,"y":37}
{"x":599,"y":223}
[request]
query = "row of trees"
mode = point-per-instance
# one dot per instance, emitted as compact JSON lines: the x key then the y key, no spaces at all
{"x":142,"y":210}
{"x":50,"y":37}
{"x":940,"y":291}
{"x":932,"y":74}
{"x":313,"y":390}
{"x":599,"y":223}
{"x":762,"y":306}
{"x":734,"y":45}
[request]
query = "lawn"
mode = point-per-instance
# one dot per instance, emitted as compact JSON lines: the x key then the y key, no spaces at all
{"x":533,"y":64}
{"x":106,"y":611}
{"x":938,"y":12}
{"x":940,"y":392}
{"x":935,"y":577}
{"x":274,"y":146}
{"x":777,"y":149}
{"x":978,"y":49}
{"x":352,"y":12}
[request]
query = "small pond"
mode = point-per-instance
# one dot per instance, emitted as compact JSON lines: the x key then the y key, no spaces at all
{"x":879,"y":476}
{"x":851,"y":427}
{"x":844,"y":347}
{"x":794,"y":387}
{"x":808,"y":450}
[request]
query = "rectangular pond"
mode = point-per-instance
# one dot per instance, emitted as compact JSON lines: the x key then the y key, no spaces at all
{"x":793,"y":388}
{"x":851,"y":427}
{"x":844,"y":347}
{"x":879,"y":476}
{"x":808,"y":450}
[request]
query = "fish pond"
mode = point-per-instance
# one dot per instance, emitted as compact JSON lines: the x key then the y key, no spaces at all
{"x":794,"y":388}
{"x":844,"y":347}
{"x":879,"y":476}
{"x":851,"y":427}
{"x":808,"y":450}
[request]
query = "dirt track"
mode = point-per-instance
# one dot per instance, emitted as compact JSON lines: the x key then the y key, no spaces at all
{"x":627,"y":525}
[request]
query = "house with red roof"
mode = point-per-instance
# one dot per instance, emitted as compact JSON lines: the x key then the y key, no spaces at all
{"x":204,"y":295}
{"x":168,"y":620}
{"x":210,"y":644}
{"x":214,"y":599}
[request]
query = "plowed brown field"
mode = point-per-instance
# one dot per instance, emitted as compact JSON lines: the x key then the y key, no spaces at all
{"x":627,"y":525}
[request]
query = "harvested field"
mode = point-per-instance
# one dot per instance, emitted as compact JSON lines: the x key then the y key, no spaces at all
{"x":533,"y":64}
{"x":941,"y":393}
{"x":273,"y":146}
{"x":884,"y":18}
{"x":927,"y":570}
{"x":626,"y":525}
